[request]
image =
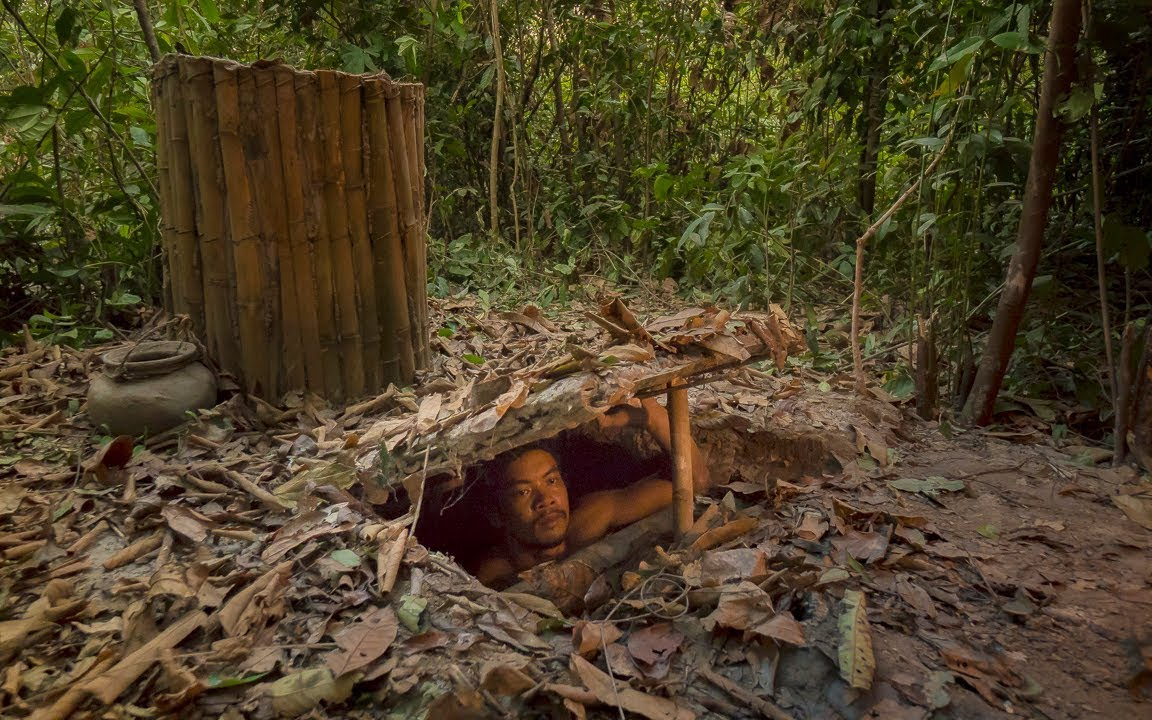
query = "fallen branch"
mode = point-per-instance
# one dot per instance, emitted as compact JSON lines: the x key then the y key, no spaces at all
{"x":565,"y":582}
{"x":765,"y":707}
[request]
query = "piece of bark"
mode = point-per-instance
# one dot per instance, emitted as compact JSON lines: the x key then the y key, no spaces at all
{"x":566,"y":581}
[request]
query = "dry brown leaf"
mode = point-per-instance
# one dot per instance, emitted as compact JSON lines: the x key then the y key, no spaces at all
{"x":724,"y":566}
{"x":617,"y":657}
{"x":169,"y":580}
{"x":629,"y":353}
{"x":10,"y":498}
{"x":506,"y":681}
{"x":364,"y":641}
{"x":110,"y":684}
{"x":726,"y":345}
{"x":741,"y":607}
{"x":857,"y":663}
{"x":261,"y":601}
{"x":653,"y":647}
{"x":812,"y":526}
{"x":614,"y":694}
{"x":187,"y":522}
{"x":1138,"y":509}
{"x":295,"y":694}
{"x":914,"y":595}
{"x":461,"y":704}
{"x":514,"y":397}
{"x":429,"y":411}
{"x":866,"y":547}
{"x":589,"y":637}
{"x":781,"y":627}
{"x":538,"y":605}
{"x":299,"y":530}
{"x":114,"y":455}
{"x":871,"y":441}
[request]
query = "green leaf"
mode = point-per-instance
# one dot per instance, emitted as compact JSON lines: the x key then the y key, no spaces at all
{"x":1077,"y":106}
{"x":901,"y":386}
{"x":927,"y":220}
{"x":215,"y":681}
{"x":931,"y":486}
{"x":140,"y":136}
{"x":1016,"y":41}
{"x":124,"y":299}
{"x":662,"y":185}
{"x":963,"y":49}
{"x":956,"y":77}
{"x":1128,"y":243}
{"x":413,"y":613}
{"x":357,"y":60}
{"x":64,"y":508}
{"x":209,"y":10}
{"x":346,"y":557}
{"x":67,"y":29}
{"x":24,"y":211}
{"x":474,"y":359}
{"x":989,"y":531}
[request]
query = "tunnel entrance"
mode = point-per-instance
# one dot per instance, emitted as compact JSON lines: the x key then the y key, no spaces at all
{"x":457,"y":517}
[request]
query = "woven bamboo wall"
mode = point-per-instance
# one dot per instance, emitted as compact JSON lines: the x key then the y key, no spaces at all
{"x":292,"y":219}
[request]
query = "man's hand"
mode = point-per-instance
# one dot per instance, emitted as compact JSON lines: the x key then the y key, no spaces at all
{"x":621,"y":416}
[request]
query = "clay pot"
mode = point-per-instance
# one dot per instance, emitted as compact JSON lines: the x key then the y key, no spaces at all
{"x":149,"y":387}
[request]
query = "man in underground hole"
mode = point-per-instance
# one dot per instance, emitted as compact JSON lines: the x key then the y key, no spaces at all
{"x":530,"y":500}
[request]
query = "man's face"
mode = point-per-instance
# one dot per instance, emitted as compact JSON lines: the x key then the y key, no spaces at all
{"x":533,"y":500}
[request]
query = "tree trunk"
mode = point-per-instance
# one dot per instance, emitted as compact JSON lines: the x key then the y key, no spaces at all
{"x":1059,"y":70}
{"x":874,"y":112}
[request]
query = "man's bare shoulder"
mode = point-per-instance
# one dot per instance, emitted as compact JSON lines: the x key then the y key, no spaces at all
{"x":495,"y":570}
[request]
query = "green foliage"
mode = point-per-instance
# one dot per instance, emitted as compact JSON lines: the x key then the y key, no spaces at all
{"x":721,"y":144}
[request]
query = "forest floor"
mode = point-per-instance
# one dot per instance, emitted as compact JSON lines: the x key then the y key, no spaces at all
{"x":851,"y":562}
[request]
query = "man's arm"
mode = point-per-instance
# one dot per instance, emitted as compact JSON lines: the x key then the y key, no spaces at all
{"x":601,"y":512}
{"x":655,"y":420}
{"x":495,"y":570}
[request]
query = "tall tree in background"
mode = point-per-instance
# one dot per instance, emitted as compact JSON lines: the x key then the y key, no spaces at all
{"x":1059,"y":72}
{"x":874,"y":111}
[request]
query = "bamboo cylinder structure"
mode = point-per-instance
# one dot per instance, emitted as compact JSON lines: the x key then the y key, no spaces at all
{"x":293,"y":222}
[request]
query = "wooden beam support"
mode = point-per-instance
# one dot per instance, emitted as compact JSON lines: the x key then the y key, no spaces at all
{"x":682,"y":493}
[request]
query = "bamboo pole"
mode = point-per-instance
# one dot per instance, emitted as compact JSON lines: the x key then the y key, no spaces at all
{"x":285,"y":358}
{"x":387,"y":248}
{"x":267,"y":345}
{"x":344,"y":273}
{"x":316,"y":226}
{"x":210,"y":212}
{"x":249,"y":263}
{"x":159,"y":95}
{"x":183,"y":205}
{"x":409,"y":231}
{"x":412,"y":101}
{"x":681,"y":434}
{"x":301,"y":280}
{"x":352,"y":147}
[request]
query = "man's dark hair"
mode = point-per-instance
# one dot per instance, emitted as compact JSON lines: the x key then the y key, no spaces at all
{"x":494,"y":470}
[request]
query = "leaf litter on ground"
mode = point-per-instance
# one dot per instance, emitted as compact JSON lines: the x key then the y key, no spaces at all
{"x":236,"y":567}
